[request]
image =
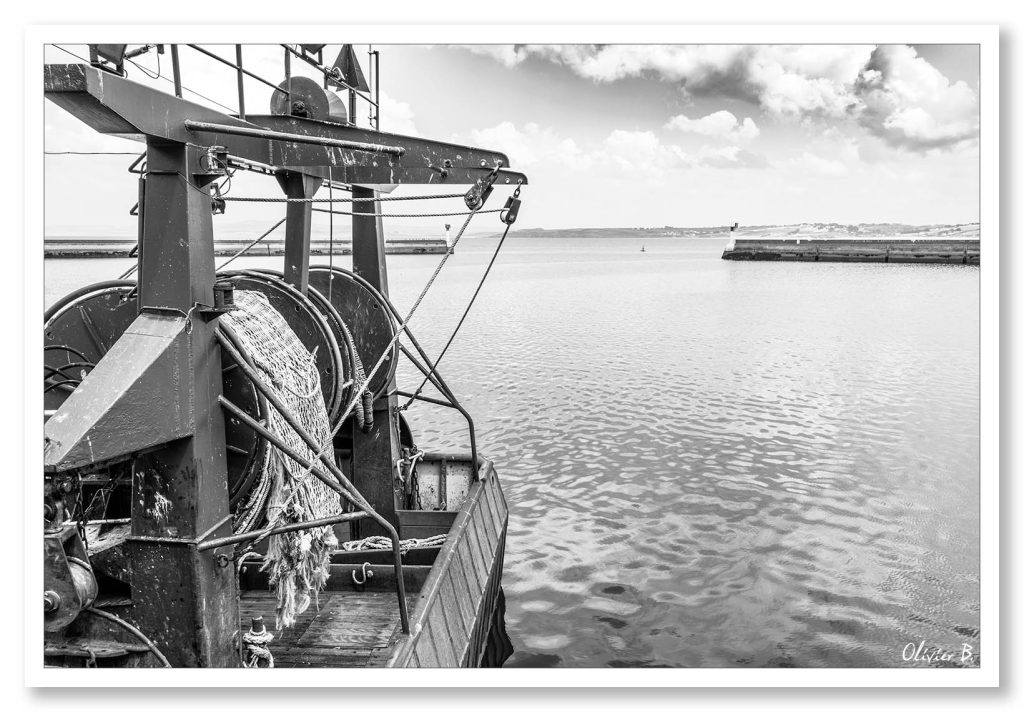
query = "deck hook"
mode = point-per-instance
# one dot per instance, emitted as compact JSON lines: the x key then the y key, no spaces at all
{"x":367,"y":575}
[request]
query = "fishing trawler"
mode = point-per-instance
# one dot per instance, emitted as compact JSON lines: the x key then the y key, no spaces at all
{"x":230,"y":478}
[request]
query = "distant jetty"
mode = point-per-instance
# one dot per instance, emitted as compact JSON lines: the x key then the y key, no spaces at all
{"x":84,"y":247}
{"x":925,"y":251}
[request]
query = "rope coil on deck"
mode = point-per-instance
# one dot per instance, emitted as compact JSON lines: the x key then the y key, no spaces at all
{"x":382,"y":542}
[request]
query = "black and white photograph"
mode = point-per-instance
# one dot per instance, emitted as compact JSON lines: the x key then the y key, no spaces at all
{"x":381,"y":358}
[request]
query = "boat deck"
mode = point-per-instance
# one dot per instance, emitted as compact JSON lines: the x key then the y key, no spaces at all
{"x":348,"y":629}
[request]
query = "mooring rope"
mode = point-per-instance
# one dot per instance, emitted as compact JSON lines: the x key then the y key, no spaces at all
{"x":384,"y":543}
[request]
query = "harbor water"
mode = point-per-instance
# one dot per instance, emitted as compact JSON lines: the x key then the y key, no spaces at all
{"x":710,"y":463}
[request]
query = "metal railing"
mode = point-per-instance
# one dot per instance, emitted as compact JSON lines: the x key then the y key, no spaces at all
{"x":331,"y":75}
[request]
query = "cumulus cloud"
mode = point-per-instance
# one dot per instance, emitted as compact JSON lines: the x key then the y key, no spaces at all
{"x":818,"y":165}
{"x":641,"y":151}
{"x":626,"y":152}
{"x":888,"y":90}
{"x":528,"y":145}
{"x":397,"y":116}
{"x":721,"y":125}
{"x":910,"y":104}
{"x":781,"y":78}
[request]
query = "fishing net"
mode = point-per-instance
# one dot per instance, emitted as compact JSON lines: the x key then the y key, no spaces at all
{"x":298,"y":563}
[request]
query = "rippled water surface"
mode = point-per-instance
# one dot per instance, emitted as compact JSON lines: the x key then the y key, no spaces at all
{"x":711,"y":463}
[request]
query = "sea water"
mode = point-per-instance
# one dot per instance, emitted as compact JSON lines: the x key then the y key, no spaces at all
{"x":710,"y":463}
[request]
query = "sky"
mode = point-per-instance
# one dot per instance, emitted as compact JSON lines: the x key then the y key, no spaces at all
{"x":621,"y":135}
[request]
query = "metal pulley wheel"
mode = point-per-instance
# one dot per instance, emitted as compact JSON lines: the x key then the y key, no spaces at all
{"x":305,"y":98}
{"x":365,"y":311}
{"x":80,"y":329}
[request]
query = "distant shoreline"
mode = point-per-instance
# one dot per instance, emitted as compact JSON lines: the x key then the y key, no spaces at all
{"x":863,"y":231}
{"x":99,"y":248}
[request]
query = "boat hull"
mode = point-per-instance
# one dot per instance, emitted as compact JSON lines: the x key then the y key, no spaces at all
{"x":454,"y":615}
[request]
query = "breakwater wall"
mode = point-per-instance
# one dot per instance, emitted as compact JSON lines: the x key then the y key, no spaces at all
{"x":121,"y":248}
{"x":966,"y":252}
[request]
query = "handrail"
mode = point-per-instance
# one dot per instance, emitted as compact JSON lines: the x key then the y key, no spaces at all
{"x":283,"y":529}
{"x":237,"y":67}
{"x":208,"y":127}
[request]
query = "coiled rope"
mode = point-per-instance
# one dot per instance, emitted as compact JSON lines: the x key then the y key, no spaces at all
{"x":383,"y":543}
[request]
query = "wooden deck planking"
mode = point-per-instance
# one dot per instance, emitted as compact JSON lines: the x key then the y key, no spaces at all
{"x":350,"y":629}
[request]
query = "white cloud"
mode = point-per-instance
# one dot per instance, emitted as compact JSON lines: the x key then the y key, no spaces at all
{"x":889,"y":90}
{"x":910,"y":104}
{"x":397,"y":116}
{"x":529,"y":145}
{"x":783,"y":79}
{"x":642,"y":152}
{"x":817,"y":165}
{"x":721,"y":124}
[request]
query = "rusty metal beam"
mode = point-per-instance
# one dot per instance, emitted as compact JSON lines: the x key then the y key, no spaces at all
{"x":118,"y":106}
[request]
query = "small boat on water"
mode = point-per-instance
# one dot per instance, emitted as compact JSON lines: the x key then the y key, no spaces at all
{"x":229,"y":448}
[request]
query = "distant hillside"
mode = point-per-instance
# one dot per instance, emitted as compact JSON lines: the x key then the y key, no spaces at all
{"x":817,"y":230}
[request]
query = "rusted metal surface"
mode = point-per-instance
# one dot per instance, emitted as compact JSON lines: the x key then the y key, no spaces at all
{"x":113,"y":105}
{"x":112,"y":412}
{"x":452,"y":616}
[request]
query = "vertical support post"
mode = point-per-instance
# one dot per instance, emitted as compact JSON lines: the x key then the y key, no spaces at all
{"x":176,"y":69}
{"x":182,"y":599}
{"x":298,"y":226}
{"x":374,"y":454}
{"x":376,"y":86}
{"x":241,"y":87}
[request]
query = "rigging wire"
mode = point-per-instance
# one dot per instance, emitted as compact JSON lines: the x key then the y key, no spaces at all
{"x":250,"y":245}
{"x":90,"y":153}
{"x":375,"y":199}
{"x":462,"y":319}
